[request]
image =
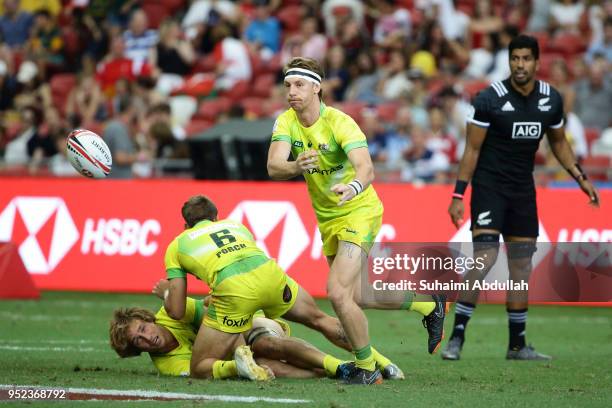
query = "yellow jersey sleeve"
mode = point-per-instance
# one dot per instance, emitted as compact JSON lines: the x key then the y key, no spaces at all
{"x":347,"y":133}
{"x":171,"y":260}
{"x":172,"y":365}
{"x":281,"y":130}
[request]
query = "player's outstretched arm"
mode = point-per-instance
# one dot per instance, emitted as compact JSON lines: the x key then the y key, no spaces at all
{"x":565,"y":155}
{"x":280,"y":168}
{"x":474,"y":139}
{"x":364,"y":175}
{"x":175,"y":298}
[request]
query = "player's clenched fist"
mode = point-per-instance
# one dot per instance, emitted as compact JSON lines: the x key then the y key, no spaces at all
{"x":307,"y":160}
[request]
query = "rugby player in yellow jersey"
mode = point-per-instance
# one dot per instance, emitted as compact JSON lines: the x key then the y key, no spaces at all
{"x":243,"y":280}
{"x":332,"y":153}
{"x":169,"y":342}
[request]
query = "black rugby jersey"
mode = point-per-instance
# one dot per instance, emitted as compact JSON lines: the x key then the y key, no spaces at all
{"x":515,"y":125}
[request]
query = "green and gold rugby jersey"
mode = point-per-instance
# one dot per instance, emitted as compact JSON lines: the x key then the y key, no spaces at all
{"x":176,"y":362}
{"x":207,"y":248}
{"x":333,"y":135}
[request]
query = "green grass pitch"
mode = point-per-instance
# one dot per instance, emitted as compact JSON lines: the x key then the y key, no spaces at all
{"x":62,"y":341}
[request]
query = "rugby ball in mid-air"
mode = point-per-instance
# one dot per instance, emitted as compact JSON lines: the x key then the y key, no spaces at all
{"x":88,"y":154}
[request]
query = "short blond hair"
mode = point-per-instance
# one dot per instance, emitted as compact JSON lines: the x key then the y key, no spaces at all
{"x":118,"y":331}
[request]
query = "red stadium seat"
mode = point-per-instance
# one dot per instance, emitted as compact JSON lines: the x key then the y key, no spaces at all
{"x":471,"y":88}
{"x":290,"y":17}
{"x":568,"y":44}
{"x":546,"y":61}
{"x":597,"y":167}
{"x":205,"y":63}
{"x":254,"y":106}
{"x":196,"y":126}
{"x":156,"y":13}
{"x":352,"y":108}
{"x":386,"y":111}
{"x":591,"y":135}
{"x":211,"y":109}
{"x":238,"y":91}
{"x":61,"y":85}
{"x":263,"y":85}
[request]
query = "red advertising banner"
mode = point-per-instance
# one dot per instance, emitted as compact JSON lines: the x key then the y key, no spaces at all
{"x":80,"y":234}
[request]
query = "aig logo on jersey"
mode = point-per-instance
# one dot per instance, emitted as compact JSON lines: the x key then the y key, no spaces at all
{"x":526,"y":130}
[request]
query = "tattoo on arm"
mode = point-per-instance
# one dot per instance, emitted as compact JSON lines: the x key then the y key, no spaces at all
{"x":341,"y":335}
{"x":349,"y":249}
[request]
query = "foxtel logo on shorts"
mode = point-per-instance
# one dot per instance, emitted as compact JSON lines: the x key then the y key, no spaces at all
{"x":44,"y":232}
{"x":526,"y":130}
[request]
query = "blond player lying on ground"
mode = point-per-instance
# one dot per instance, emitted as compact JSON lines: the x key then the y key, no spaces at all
{"x":169,"y":343}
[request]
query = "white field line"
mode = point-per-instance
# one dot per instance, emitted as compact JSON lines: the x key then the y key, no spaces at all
{"x":41,"y":317}
{"x":47,"y":341}
{"x":62,"y":349}
{"x":156,"y":394}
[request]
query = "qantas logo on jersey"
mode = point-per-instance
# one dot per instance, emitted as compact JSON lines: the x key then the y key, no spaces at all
{"x":526,"y":130}
{"x":325,"y":172}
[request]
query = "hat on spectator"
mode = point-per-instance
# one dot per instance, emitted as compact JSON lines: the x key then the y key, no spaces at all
{"x":424,"y":61}
{"x":27,"y":71}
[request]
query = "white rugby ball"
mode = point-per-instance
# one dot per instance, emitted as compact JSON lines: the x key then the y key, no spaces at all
{"x":89,"y":154}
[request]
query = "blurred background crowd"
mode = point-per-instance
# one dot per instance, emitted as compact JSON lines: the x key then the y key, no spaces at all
{"x":152,"y":75}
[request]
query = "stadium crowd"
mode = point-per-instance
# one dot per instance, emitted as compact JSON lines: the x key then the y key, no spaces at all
{"x":149,"y":74}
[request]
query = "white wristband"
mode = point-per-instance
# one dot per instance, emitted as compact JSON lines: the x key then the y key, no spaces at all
{"x":356,"y":186}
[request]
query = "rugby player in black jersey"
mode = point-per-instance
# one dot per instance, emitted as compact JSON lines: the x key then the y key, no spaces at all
{"x":504,"y":131}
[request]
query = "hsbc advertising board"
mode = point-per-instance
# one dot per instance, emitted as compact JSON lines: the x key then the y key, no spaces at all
{"x":78,"y":234}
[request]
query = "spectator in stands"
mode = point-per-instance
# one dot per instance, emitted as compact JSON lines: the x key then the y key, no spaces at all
{"x":15,"y":25}
{"x":455,"y":110}
{"x":314,"y":44}
{"x":232,"y":57}
{"x":45,"y":145}
{"x":336,"y":75}
{"x":375,"y":133}
{"x":32,"y":6}
{"x":263,"y":34}
{"x":538,"y":19}
{"x":449,"y":54}
{"x":423,"y":164}
{"x":593,"y":96}
{"x":393,"y":25}
{"x":335,"y":12}
{"x":173,"y":57}
{"x":364,"y":85}
{"x":85,"y":102}
{"x":394,"y":77}
{"x":483,"y":23}
{"x":161,"y":112}
{"x":8,"y":87}
{"x":604,"y":46}
{"x":399,"y":138}
{"x":453,"y":23}
{"x":139,"y":40}
{"x":439,"y":138}
{"x":501,"y":68}
{"x":32,"y":91}
{"x":565,"y":16}
{"x":482,"y":58}
{"x":207,"y":13}
{"x":116,"y":66}
{"x":352,"y":38}
{"x":28,"y":140}
{"x":46,"y":44}
{"x":119,"y":135}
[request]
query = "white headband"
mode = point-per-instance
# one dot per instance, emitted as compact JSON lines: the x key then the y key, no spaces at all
{"x":303,"y":73}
